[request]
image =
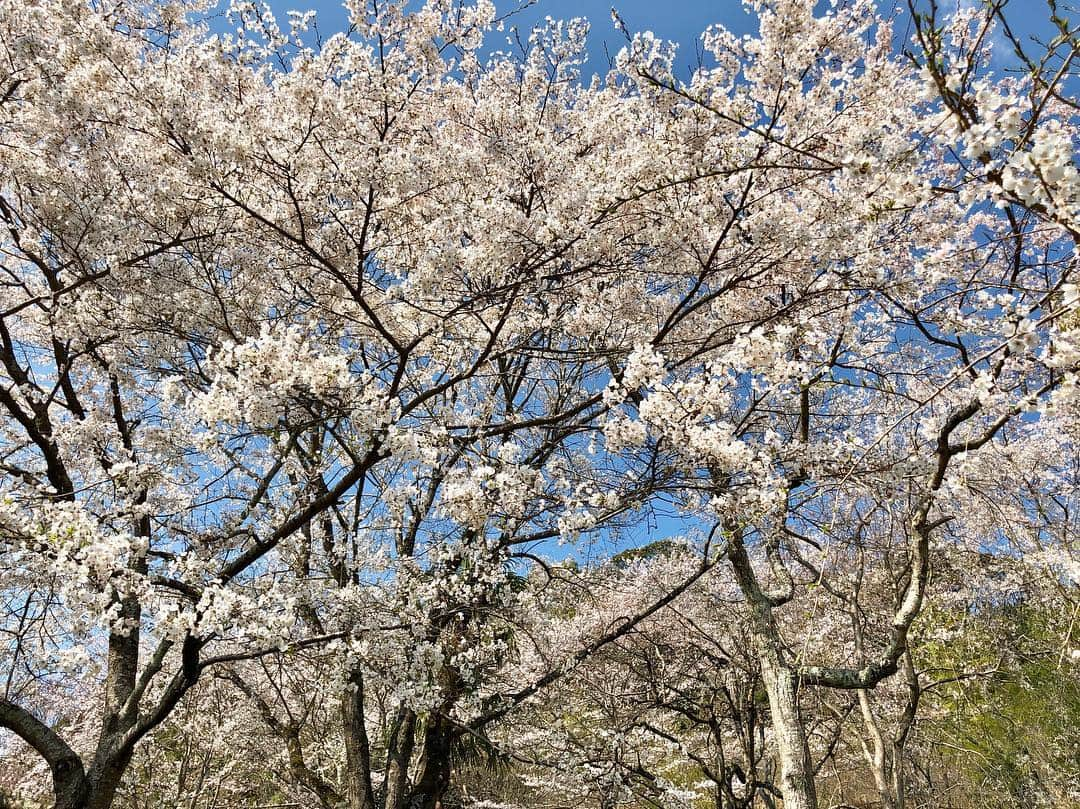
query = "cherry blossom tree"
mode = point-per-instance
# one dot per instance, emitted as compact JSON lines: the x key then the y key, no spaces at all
{"x":848,"y":428}
{"x":313,"y":347}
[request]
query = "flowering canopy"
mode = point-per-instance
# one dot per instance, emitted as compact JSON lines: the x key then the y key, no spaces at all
{"x":324,"y":342}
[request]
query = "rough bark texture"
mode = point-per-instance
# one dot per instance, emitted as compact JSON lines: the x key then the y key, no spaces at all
{"x":781,"y":684}
{"x":398,"y":754}
{"x":796,"y":769}
{"x":71,"y":788}
{"x":358,"y":791}
{"x":434,"y":776}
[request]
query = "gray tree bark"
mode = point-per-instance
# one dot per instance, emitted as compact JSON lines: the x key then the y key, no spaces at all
{"x":358,"y":791}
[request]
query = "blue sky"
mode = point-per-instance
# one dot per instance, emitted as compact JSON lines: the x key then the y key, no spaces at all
{"x":681,"y":21}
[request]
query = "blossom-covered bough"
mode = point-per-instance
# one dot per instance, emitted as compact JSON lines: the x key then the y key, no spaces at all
{"x":312,"y":346}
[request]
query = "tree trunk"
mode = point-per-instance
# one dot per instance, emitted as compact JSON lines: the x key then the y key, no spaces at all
{"x":71,"y":789}
{"x":882,"y":757}
{"x":435,"y":766}
{"x":398,"y":754}
{"x":796,"y":769}
{"x":105,"y":780}
{"x":358,"y":791}
{"x":781,"y":684}
{"x":122,"y":668}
